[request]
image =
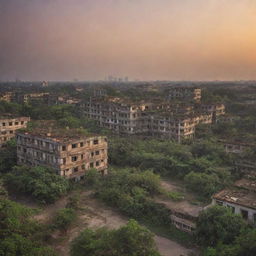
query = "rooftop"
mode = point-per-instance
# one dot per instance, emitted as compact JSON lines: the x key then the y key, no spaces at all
{"x":49,"y":130}
{"x":240,"y":196}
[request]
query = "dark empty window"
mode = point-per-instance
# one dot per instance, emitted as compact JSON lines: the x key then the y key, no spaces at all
{"x":64,"y":160}
{"x":95,"y":142}
{"x":22,"y":122}
{"x":82,"y":156}
{"x":97,"y":163}
{"x":63,"y":148}
{"x":83,"y":167}
{"x":74,"y":145}
{"x":244,"y":214}
{"x":97,"y":153}
{"x":76,"y":169}
{"x":3,"y":124}
{"x":74,"y":158}
{"x":81,"y":144}
{"x":10,"y":123}
{"x":11,"y":132}
{"x":91,"y":165}
{"x":16,"y":123}
{"x":92,"y":154}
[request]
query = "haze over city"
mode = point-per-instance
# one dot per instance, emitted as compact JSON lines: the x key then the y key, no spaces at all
{"x":143,"y":39}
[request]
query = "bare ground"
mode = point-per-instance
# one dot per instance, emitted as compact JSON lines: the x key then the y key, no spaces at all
{"x":95,"y":214}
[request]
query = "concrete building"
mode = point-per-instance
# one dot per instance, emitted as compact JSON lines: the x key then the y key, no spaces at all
{"x":185,"y":93}
{"x":69,"y":152}
{"x":8,"y":127}
{"x":236,"y":147}
{"x":157,"y":118}
{"x":241,"y":199}
{"x":7,"y":96}
{"x":216,"y":109}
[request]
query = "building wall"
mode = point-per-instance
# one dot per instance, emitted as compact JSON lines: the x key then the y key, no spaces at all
{"x":8,"y":127}
{"x":70,"y":159}
{"x":238,"y":209}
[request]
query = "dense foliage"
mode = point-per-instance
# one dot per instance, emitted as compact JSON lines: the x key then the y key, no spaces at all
{"x":204,"y":166}
{"x":128,"y":240}
{"x":8,"y":157}
{"x":18,"y":233}
{"x":39,"y":182}
{"x":225,"y":233}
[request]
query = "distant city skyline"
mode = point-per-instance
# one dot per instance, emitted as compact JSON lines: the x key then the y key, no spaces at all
{"x":63,"y":40}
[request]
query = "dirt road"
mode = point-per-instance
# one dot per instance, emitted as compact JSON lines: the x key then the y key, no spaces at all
{"x":95,"y":214}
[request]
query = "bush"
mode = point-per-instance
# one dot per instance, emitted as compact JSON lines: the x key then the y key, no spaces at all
{"x":39,"y":182}
{"x":128,"y":240}
{"x":64,"y":218}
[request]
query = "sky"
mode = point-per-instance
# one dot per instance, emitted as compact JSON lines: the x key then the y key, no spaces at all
{"x":141,"y":39}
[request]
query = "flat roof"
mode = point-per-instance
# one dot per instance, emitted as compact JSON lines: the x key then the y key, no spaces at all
{"x":48,"y":130}
{"x":237,"y":196}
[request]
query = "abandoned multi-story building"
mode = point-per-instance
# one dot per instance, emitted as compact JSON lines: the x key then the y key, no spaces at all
{"x":157,"y":118}
{"x":9,"y":125}
{"x":67,"y":151}
{"x":216,"y":109}
{"x":7,"y":96}
{"x":185,"y":93}
{"x":241,"y":199}
{"x":235,"y":146}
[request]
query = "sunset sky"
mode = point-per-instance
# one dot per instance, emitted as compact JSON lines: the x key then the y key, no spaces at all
{"x":142,"y":39}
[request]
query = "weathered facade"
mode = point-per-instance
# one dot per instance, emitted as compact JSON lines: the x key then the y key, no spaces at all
{"x":8,"y":127}
{"x":69,"y":153}
{"x":185,"y":93}
{"x":241,"y":199}
{"x":157,"y":118}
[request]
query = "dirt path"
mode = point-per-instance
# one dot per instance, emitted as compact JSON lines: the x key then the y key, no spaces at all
{"x":95,"y":214}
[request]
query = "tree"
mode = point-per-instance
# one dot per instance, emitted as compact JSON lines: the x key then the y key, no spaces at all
{"x":64,"y":218}
{"x":18,"y":232}
{"x":218,"y":224}
{"x":129,"y":240}
{"x":39,"y":182}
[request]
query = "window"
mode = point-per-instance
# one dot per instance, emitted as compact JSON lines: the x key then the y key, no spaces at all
{"x":11,"y":132}
{"x":10,"y":123}
{"x":75,"y":169}
{"x":22,"y":122}
{"x":74,"y":158}
{"x":219,"y":202}
{"x":244,"y":214}
{"x":97,"y":163}
{"x":97,"y":153}
{"x":92,"y":154}
{"x":63,"y":148}
{"x":95,"y":142}
{"x":91,"y":165}
{"x":64,"y":160}
{"x":16,"y":123}
{"x":232,"y":208}
{"x":3,"y":124}
{"x":81,"y":144}
{"x":74,"y":145}
{"x":83,"y":167}
{"x":82,"y":156}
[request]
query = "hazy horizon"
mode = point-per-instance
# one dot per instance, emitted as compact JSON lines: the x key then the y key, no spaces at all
{"x":189,"y":40}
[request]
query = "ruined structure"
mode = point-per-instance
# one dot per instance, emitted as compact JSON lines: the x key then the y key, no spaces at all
{"x":185,"y":93}
{"x":69,"y":152}
{"x":156,"y":118}
{"x":9,"y":125}
{"x":241,"y":199}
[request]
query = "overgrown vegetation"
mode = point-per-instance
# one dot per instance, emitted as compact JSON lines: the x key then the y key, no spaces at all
{"x":223,"y":233}
{"x":19,"y":235}
{"x":132,"y":191}
{"x":128,"y":240}
{"x":38,"y":182}
{"x":204,"y":165}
